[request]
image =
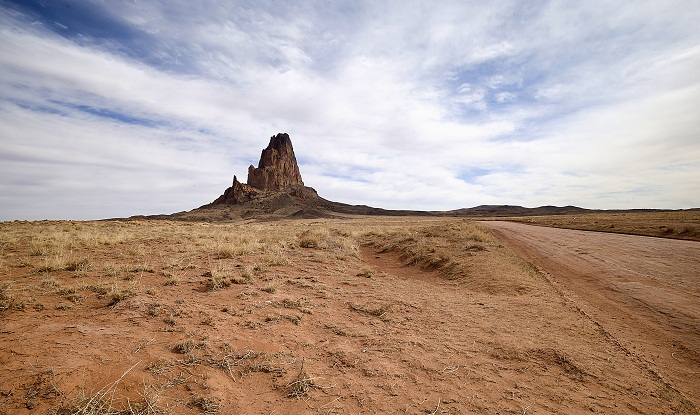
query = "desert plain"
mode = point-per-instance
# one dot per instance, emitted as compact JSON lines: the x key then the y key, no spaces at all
{"x":351,"y":315}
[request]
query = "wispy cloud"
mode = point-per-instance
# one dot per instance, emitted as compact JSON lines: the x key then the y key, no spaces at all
{"x":121,"y":108}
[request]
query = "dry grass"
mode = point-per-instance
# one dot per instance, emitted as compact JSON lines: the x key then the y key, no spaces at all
{"x":433,"y":247}
{"x":118,"y":294}
{"x":207,"y":404}
{"x":186,"y":346}
{"x":218,"y":281}
{"x":301,"y":385}
{"x":328,"y":238}
{"x":376,"y":311}
{"x":8,"y":300}
{"x":161,"y":366}
{"x":106,"y":402}
{"x":664,"y":224}
{"x":302,"y":304}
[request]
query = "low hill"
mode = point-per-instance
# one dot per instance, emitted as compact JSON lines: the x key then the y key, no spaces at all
{"x":508,"y":210}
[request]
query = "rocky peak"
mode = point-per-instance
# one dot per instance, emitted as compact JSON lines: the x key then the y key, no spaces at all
{"x":276,"y":171}
{"x":277,"y":168}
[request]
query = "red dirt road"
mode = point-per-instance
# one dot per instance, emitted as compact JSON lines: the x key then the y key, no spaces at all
{"x":643,"y":291}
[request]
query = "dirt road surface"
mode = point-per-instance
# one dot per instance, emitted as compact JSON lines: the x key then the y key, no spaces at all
{"x":643,"y":291}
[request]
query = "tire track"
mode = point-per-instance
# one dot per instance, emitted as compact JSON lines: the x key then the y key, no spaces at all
{"x":641,"y":291}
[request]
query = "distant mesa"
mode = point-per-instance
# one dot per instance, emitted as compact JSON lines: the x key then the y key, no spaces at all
{"x":508,"y":210}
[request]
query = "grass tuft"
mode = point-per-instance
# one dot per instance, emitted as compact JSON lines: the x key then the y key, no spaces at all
{"x":160,"y":366}
{"x":301,"y":385}
{"x":185,"y":346}
{"x":218,"y":282}
{"x":207,"y":404}
{"x":117,"y":295}
{"x":7,"y":299}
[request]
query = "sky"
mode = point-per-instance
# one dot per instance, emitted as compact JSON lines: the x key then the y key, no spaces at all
{"x":112,"y":108}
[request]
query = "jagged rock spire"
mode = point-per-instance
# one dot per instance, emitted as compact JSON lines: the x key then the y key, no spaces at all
{"x":277,"y":168}
{"x":276,"y":171}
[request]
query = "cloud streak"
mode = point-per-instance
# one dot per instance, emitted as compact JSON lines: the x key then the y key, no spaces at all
{"x":123,"y":108}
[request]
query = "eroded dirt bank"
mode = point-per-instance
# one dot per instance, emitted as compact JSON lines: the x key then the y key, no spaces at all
{"x":643,"y":291}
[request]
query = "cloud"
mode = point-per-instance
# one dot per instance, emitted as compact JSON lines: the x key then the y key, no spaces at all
{"x":151,"y":107}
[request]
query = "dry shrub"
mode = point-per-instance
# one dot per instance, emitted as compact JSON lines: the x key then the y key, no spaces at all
{"x":185,"y":346}
{"x":81,"y":265}
{"x":415,"y":248}
{"x":104,"y":402}
{"x":38,"y":248}
{"x":228,"y":243}
{"x":226,"y":251}
{"x":325,"y":238}
{"x":274,"y":259}
{"x":170,"y":320}
{"x":301,"y":385}
{"x":218,"y":282}
{"x":119,"y":294}
{"x":279,"y":317}
{"x":309,"y":242}
{"x":243,"y":279}
{"x":247,"y":273}
{"x":161,"y":366}
{"x":49,"y":284}
{"x":689,"y":231}
{"x":376,"y":311}
{"x":270,"y":287}
{"x":474,"y":246}
{"x":7,"y":299}
{"x":302,"y":304}
{"x":247,"y":362}
{"x":172,"y":280}
{"x":207,"y":404}
{"x":221,"y":278}
{"x":72,"y":293}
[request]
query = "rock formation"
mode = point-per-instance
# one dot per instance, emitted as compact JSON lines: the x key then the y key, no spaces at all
{"x":236,"y":194}
{"x":276,"y":171}
{"x":277,"y":168}
{"x":275,"y":190}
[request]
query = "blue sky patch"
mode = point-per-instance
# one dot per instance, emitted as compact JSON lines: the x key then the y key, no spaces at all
{"x":113,"y":115}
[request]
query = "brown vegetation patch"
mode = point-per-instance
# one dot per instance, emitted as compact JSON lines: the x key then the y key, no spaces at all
{"x":457,"y":251}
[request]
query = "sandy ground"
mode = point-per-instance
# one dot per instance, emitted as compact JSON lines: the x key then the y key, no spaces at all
{"x":643,"y":291}
{"x":319,"y":318}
